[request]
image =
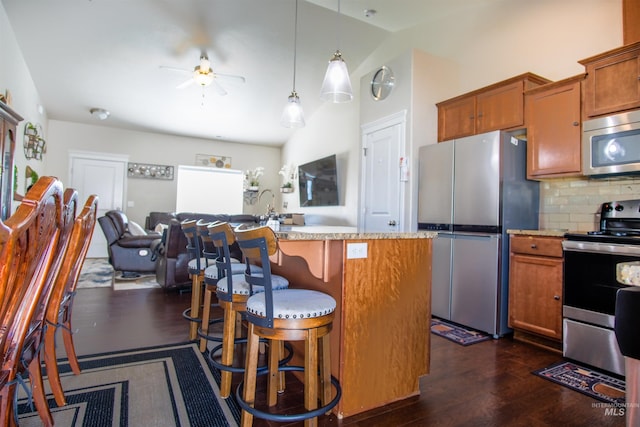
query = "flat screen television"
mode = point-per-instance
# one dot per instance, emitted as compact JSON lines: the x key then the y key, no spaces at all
{"x":318,"y":182}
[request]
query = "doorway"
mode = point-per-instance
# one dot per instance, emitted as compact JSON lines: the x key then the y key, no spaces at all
{"x":382,"y":190}
{"x":104,"y":175}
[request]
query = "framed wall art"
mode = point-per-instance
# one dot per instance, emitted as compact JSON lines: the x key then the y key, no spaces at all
{"x":214,"y":161}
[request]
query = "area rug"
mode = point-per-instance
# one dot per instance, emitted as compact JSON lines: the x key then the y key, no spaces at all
{"x":593,"y":383}
{"x":98,"y":273}
{"x":160,"y":386}
{"x":457,"y":333}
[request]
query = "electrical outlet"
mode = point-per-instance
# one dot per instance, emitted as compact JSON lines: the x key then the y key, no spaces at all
{"x":356,"y":250}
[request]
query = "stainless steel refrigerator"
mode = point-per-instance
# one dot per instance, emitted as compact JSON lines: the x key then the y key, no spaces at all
{"x":471,"y":191}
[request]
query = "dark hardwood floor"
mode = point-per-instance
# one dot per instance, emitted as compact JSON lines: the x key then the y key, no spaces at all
{"x":486,"y":384}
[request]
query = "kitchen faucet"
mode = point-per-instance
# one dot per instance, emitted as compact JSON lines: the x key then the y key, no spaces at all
{"x":270,"y":207}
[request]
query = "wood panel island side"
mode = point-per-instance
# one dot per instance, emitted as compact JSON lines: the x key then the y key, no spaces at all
{"x":381,"y":282}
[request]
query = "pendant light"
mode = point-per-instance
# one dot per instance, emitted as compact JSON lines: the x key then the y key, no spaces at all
{"x":292,"y":115}
{"x":336,"y":86}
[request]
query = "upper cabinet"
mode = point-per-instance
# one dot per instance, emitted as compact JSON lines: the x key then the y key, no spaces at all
{"x":9,"y":119}
{"x":552,"y":114}
{"x":498,"y":106}
{"x":612,"y":84}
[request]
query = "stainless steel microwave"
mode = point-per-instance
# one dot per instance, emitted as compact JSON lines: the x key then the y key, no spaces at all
{"x":611,"y":145}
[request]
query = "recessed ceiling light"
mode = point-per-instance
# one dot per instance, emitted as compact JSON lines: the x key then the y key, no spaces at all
{"x":99,"y":113}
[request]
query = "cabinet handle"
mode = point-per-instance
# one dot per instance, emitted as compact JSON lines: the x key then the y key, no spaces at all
{"x":576,"y":124}
{"x":534,"y":246}
{"x":480,"y":115}
{"x":471,"y":117}
{"x":556,"y":297}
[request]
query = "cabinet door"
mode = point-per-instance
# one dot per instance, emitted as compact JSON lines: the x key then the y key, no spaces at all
{"x":456,"y":118}
{"x":612,"y":84}
{"x":535,"y":295}
{"x":500,"y":108}
{"x":553,"y":132}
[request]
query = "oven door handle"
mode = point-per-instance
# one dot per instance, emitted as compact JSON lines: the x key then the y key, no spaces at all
{"x":600,"y":248}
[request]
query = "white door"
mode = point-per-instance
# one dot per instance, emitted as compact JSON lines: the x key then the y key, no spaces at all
{"x":103,"y":175}
{"x":382,"y":193}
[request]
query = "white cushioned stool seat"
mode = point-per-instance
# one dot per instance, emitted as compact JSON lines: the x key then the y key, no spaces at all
{"x":193,"y":265}
{"x":241,"y":287}
{"x":293,"y":304}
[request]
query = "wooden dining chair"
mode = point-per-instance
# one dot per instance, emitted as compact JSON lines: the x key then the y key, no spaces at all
{"x":285,"y":315}
{"x":29,"y":240}
{"x":58,"y":314}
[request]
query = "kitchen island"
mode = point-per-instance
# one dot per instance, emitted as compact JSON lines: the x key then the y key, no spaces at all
{"x":382,"y":286}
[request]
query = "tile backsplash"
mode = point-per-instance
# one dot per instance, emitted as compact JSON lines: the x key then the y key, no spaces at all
{"x":574,"y":203}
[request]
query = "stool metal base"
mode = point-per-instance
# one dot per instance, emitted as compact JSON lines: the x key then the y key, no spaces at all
{"x":237,"y":341}
{"x":186,"y":314}
{"x":301,"y":416}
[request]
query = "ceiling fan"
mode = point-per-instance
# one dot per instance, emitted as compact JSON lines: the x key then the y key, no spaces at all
{"x":203,"y":76}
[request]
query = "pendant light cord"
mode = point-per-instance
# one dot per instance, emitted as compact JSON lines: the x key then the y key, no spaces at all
{"x":338,"y":27}
{"x":295,"y":46}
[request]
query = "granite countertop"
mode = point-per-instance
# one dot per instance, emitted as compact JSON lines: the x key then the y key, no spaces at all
{"x":310,"y":232}
{"x":554,"y":232}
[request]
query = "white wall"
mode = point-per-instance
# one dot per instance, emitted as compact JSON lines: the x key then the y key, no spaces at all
{"x":143,"y":147}
{"x":15,"y":77}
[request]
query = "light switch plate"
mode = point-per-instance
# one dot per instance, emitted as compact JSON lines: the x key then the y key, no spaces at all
{"x":356,"y":250}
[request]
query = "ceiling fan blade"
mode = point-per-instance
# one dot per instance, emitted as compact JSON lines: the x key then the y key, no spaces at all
{"x":185,"y":84}
{"x":178,"y":70}
{"x":221,"y":91}
{"x":230,"y":77}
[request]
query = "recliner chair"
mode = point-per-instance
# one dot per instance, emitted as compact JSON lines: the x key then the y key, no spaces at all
{"x":128,"y":253}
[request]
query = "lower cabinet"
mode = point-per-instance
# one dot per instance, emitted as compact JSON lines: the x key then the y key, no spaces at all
{"x":535,"y":288}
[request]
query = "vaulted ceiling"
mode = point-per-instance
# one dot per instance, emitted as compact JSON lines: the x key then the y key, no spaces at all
{"x":120,"y":55}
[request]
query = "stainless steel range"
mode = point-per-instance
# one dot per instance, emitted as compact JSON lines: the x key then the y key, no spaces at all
{"x":596,"y":265}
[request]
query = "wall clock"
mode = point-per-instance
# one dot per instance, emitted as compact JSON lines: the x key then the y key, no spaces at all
{"x":382,"y":83}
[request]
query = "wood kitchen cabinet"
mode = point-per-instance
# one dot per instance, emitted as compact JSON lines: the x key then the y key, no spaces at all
{"x":535,"y":289}
{"x":9,"y":120}
{"x":612,"y":84}
{"x":552,"y":114}
{"x":498,"y":106}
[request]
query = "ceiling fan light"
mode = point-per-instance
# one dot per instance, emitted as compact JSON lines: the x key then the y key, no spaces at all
{"x":292,"y":115}
{"x":202,"y":78}
{"x":336,"y":86}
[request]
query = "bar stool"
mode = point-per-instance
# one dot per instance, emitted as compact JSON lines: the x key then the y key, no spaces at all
{"x":232,"y":291}
{"x":216,"y":253}
{"x":196,"y":267}
{"x":278,"y":315}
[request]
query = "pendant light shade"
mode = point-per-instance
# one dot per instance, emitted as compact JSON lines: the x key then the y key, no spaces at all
{"x":292,"y":115}
{"x":336,"y":86}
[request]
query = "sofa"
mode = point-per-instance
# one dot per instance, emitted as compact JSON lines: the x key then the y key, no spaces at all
{"x":172,"y":256}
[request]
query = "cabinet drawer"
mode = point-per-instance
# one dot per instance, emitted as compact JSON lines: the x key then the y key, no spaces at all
{"x":534,"y":245}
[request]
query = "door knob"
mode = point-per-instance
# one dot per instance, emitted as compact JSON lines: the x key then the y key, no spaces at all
{"x":392,"y":223}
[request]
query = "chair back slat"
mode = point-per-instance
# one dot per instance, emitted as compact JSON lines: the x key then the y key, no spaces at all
{"x":258,"y":244}
{"x":209,"y":251}
{"x":221,"y":236}
{"x":190,"y":230}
